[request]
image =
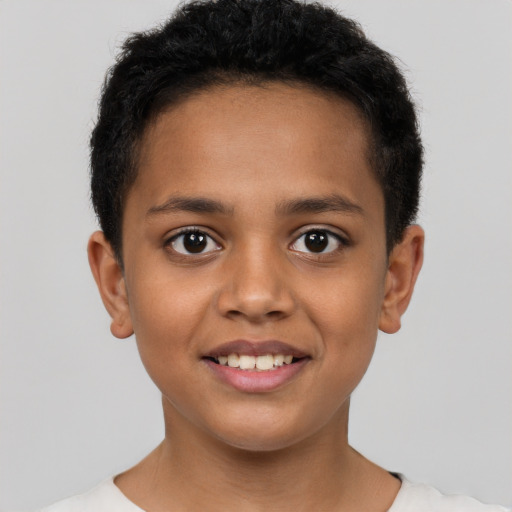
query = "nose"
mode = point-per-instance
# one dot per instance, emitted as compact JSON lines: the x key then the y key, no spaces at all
{"x":255,"y":287}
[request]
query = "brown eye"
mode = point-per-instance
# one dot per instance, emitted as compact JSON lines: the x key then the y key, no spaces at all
{"x":318,"y":241}
{"x":193,"y":242}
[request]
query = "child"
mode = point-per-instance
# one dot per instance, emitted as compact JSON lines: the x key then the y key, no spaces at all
{"x":255,"y":169}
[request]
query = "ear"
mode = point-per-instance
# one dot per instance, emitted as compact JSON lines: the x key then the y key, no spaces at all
{"x":404,"y":266}
{"x":111,"y":285}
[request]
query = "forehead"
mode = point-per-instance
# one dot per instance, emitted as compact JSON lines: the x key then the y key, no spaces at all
{"x":266,"y":110}
{"x":274,"y":140}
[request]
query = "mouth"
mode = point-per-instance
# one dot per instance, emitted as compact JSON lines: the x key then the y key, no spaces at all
{"x":256,"y":367}
{"x":262,"y":363}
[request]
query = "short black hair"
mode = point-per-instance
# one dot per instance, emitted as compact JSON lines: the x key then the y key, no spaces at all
{"x":216,"y":42}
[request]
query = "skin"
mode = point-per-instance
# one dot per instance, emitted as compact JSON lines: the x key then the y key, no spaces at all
{"x":256,"y":152}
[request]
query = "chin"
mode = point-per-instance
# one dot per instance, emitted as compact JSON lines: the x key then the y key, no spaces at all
{"x":261,"y":444}
{"x":264,"y":436}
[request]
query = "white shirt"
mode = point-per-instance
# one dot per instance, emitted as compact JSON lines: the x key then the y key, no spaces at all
{"x":107,"y":497}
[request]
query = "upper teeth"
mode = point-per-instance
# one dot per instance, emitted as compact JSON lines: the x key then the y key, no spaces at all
{"x":265,"y":362}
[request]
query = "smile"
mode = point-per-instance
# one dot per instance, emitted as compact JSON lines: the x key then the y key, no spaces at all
{"x":256,"y":367}
{"x":267,"y":362}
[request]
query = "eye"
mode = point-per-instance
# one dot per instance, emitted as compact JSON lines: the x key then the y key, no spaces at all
{"x":193,"y":241}
{"x":318,"y":241}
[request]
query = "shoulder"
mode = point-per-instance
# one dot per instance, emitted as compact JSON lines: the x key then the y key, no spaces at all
{"x":105,"y":497}
{"x":424,"y":498}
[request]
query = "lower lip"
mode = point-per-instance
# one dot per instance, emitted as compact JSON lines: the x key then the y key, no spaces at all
{"x":251,"y":381}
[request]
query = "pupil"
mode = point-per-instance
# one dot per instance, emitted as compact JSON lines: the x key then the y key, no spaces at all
{"x":316,"y":241}
{"x":194,"y":242}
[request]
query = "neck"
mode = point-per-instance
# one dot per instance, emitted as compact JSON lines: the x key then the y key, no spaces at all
{"x":190,"y":469}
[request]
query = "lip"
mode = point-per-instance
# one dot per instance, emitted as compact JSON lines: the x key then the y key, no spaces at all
{"x":253,"y":381}
{"x":256,"y":348}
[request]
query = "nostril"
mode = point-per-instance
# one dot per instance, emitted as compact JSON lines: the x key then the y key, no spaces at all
{"x":256,"y":316}
{"x":275,"y":314}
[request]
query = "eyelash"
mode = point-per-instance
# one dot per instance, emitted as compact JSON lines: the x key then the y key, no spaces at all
{"x":178,"y":240}
{"x":340,"y":241}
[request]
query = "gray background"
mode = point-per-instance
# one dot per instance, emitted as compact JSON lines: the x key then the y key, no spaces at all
{"x":76,"y":405}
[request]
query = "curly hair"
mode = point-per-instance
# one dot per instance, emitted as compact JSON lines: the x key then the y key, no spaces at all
{"x":216,"y":42}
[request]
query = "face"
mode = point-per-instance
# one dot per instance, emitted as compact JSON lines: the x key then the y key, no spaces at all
{"x":255,"y":265}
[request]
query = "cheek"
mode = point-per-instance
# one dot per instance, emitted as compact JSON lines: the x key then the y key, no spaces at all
{"x":347,"y":315}
{"x":165,"y":314}
{"x":348,"y":305}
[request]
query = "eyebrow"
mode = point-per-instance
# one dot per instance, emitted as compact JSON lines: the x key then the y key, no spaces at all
{"x":329,"y":203}
{"x":190,"y":204}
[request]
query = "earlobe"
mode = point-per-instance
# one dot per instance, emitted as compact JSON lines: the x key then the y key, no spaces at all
{"x":404,"y":265}
{"x":111,"y":284}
